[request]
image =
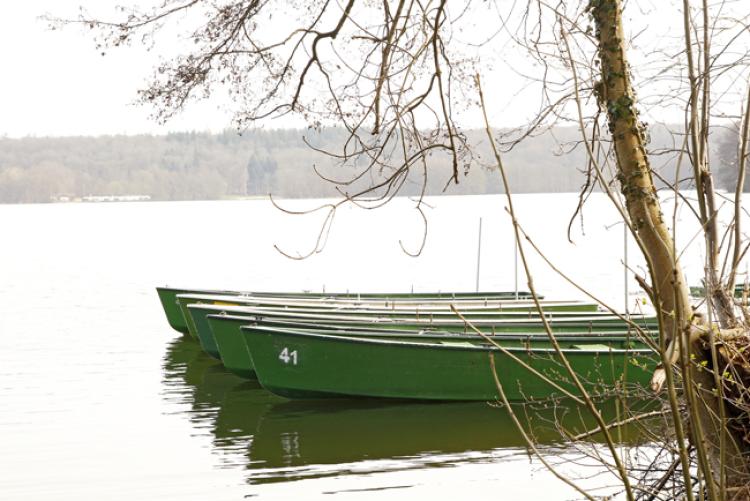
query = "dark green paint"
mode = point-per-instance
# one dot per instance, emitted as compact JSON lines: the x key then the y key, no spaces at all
{"x":232,"y":349}
{"x":176,"y":319}
{"x":183,"y":304}
{"x":237,"y":358}
{"x":168,"y":298}
{"x":298,"y":365}
{"x":203,"y":330}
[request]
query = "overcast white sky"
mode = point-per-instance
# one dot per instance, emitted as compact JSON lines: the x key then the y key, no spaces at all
{"x":55,"y":83}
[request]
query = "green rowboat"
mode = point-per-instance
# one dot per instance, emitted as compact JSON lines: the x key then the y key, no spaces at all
{"x":297,"y":365}
{"x":199,"y":322}
{"x":176,"y":319}
{"x":168,"y":298}
{"x":492,"y":323}
{"x":249,"y":306}
{"x":524,"y":323}
{"x":232,"y":348}
{"x":237,"y":358}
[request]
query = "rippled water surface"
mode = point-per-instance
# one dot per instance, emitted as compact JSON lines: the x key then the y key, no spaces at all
{"x":100,"y":399}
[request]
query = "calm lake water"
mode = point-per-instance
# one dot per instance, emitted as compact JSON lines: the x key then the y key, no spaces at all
{"x":100,"y":399}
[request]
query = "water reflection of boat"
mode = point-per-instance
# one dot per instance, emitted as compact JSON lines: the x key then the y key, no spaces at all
{"x":183,"y":360}
{"x":240,"y":413}
{"x":292,"y":436}
{"x":192,"y":377}
{"x":228,"y":406}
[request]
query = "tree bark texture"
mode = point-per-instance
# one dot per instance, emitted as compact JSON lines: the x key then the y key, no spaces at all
{"x":682,"y":337}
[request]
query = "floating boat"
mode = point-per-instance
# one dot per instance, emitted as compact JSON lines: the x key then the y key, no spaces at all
{"x":232,"y":349}
{"x":237,"y":358}
{"x":527,"y":322}
{"x":200,"y":329}
{"x":497,"y":309}
{"x":176,"y":319}
{"x":380,"y":330}
{"x":500,"y":321}
{"x":305,"y":365}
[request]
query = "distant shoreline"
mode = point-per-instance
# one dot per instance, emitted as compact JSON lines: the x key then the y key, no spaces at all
{"x":201,"y":166}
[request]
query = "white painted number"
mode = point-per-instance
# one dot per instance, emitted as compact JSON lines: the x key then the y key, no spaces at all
{"x":287,"y":356}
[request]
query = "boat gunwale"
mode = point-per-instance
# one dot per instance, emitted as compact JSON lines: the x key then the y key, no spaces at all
{"x":452,"y":336}
{"x":387,"y":312}
{"x":300,"y":326}
{"x":511,"y":295}
{"x":523,"y":349}
{"x":419,"y":300}
{"x":414,"y":320}
{"x":384,"y":311}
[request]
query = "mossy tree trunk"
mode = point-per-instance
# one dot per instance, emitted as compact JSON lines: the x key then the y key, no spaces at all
{"x":684,"y":338}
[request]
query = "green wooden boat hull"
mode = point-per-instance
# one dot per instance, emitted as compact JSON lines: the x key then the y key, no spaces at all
{"x":296,"y":365}
{"x":198,"y":327}
{"x":168,"y":298}
{"x":498,"y":322}
{"x":232,"y":348}
{"x":236,"y":357}
{"x":190,"y":325}
{"x":176,"y":319}
{"x":454,"y":324}
{"x":359,"y":316}
{"x":203,"y":330}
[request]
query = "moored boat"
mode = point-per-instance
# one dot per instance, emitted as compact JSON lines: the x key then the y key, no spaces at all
{"x":304,"y":365}
{"x":168,"y":299}
{"x":198,"y":322}
{"x":176,"y":319}
{"x":493,"y":322}
{"x":237,"y":357}
{"x":396,"y":305}
{"x":232,"y":348}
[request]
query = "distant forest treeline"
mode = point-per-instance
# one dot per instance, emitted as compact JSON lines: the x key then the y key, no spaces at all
{"x":202,"y":166}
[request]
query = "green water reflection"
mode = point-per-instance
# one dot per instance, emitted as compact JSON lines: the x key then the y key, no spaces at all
{"x":275,"y":439}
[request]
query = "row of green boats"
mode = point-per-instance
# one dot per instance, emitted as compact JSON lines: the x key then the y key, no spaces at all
{"x":415,"y":346}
